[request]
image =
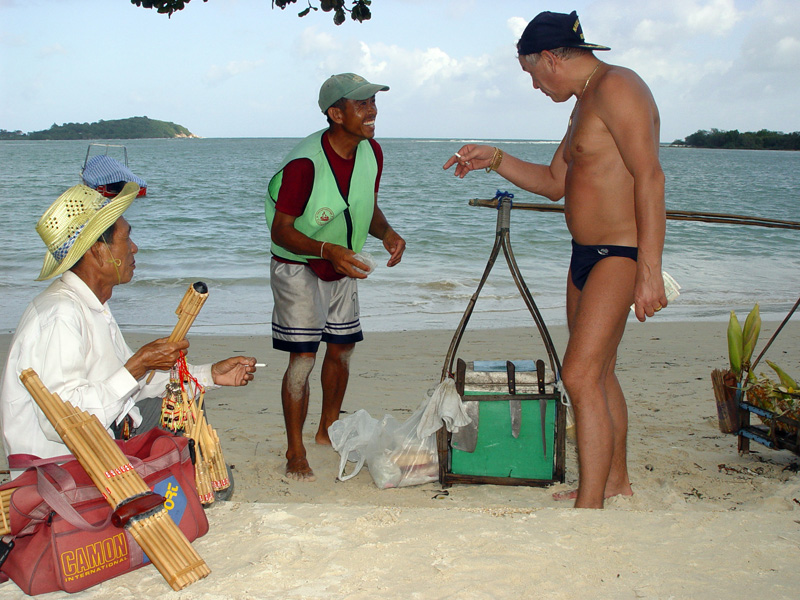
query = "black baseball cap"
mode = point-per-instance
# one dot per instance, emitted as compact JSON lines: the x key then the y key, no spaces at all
{"x":549,"y":30}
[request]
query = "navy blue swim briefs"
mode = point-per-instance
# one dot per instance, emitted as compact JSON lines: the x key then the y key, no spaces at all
{"x":584,"y":258}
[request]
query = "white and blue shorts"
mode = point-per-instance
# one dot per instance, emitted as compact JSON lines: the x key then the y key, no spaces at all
{"x":307,"y":310}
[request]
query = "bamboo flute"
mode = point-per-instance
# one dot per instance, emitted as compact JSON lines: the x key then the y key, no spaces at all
{"x":674,"y":215}
{"x":155,"y":543}
{"x":5,"y":510}
{"x":104,"y":462}
{"x":205,"y":485}
{"x":156,"y":533}
{"x":205,"y":489}
{"x":205,"y":436}
{"x":187,"y":311}
{"x":67,"y":424}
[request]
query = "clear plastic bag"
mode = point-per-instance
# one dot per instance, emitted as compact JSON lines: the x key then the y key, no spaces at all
{"x":349,"y":437}
{"x":398,"y":454}
{"x":398,"y":457}
{"x":367,"y":259}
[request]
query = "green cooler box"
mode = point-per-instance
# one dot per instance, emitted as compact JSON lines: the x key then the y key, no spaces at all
{"x":509,"y":401}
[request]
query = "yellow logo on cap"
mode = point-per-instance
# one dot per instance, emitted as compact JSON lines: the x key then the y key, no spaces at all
{"x":577,"y":26}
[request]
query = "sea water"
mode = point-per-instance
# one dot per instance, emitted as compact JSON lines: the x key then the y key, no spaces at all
{"x":203,"y":220}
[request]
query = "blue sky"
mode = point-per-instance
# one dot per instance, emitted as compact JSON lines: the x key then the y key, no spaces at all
{"x":238,"y":68}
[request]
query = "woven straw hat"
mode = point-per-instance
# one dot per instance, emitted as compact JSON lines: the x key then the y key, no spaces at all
{"x":75,"y":221}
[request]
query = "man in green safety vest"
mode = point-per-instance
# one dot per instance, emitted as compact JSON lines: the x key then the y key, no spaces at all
{"x":322,"y":204}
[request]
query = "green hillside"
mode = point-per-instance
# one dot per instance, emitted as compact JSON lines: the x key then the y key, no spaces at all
{"x":119,"y":129}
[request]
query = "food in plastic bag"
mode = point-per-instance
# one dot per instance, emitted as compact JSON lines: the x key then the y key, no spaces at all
{"x":398,"y":454}
{"x":397,"y":457}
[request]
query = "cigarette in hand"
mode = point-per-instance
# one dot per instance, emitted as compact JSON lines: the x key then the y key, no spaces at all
{"x":260,"y":365}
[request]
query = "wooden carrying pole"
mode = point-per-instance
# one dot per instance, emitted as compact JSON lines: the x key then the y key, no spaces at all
{"x":673,"y":215}
{"x":187,"y":310}
{"x":127,"y":493}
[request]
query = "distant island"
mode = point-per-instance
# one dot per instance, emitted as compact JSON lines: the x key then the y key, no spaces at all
{"x":133,"y":128}
{"x":735,"y":140}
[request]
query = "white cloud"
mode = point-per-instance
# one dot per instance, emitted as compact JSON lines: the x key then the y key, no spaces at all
{"x":772,"y":44}
{"x":788,"y":46}
{"x":716,"y":18}
{"x":217,"y":74}
{"x":370,"y":66}
{"x":313,"y":43}
{"x":517,"y":25}
{"x":673,"y":23}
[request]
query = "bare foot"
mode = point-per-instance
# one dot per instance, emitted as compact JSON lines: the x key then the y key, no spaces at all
{"x":298,"y":469}
{"x":572,"y":494}
{"x":322,"y":438}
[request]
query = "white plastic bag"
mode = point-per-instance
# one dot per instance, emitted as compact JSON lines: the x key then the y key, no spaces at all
{"x":444,"y":405}
{"x":349,"y":437}
{"x":398,"y":457}
{"x":399,"y":454}
{"x":367,"y":259}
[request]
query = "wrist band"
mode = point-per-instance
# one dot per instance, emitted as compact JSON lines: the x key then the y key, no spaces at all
{"x":320,"y":249}
{"x":497,"y":158}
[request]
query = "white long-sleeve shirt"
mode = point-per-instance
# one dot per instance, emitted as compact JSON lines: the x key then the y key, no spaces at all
{"x":75,"y":346}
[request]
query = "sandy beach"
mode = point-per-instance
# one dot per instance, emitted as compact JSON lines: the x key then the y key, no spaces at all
{"x":703,"y":521}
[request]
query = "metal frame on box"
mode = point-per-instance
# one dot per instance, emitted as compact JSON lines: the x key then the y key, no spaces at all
{"x":444,"y":438}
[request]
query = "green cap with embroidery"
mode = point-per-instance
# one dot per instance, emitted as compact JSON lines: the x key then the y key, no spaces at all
{"x":347,"y":85}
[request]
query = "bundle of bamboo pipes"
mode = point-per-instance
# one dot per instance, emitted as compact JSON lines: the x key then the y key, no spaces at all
{"x":181,"y":413}
{"x":214,"y":473}
{"x":187,"y":310}
{"x":135,"y":507}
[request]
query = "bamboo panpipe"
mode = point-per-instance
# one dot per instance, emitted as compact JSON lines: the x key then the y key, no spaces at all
{"x":219,"y":479}
{"x":187,"y":310}
{"x":5,"y":511}
{"x":205,"y":482}
{"x":209,"y":446}
{"x":673,"y":215}
{"x":154,"y":531}
{"x":205,"y":488}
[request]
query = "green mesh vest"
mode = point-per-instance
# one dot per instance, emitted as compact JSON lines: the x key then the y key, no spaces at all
{"x":329,"y":217}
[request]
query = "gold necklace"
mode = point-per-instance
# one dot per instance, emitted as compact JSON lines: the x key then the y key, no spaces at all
{"x":583,"y":91}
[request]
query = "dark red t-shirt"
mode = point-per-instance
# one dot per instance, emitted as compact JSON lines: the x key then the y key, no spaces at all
{"x":296,"y":186}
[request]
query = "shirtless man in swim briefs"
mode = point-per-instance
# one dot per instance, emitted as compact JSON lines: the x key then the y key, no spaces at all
{"x":608,"y":172}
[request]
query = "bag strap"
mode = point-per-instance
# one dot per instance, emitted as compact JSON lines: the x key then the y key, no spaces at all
{"x":57,"y":499}
{"x":24,"y":461}
{"x":61,"y":495}
{"x":350,"y":446}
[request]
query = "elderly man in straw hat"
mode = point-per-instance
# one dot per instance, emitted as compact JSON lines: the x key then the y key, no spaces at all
{"x":69,"y":337}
